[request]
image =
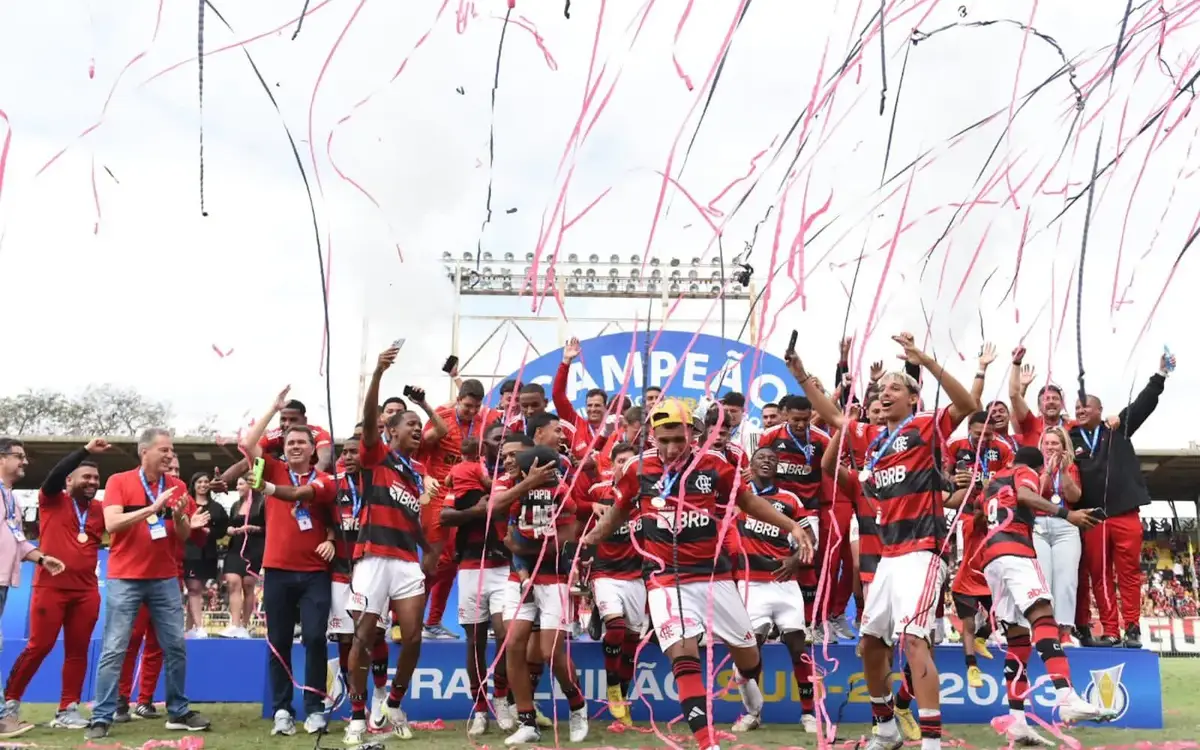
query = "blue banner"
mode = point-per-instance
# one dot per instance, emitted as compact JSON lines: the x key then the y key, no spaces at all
{"x":682,"y":363}
{"x":1125,"y":681}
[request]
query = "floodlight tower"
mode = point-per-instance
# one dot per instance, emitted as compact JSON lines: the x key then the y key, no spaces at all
{"x":620,"y":278}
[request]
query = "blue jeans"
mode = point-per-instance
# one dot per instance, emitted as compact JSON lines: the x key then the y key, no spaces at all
{"x":289,"y":596}
{"x":125,"y":597}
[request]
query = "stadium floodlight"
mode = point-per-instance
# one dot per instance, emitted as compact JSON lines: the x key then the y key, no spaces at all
{"x":635,"y":259}
{"x":715,"y":276}
{"x":572,"y":286}
{"x":631,"y":287}
{"x":674,"y":289}
{"x":487,"y":256}
{"x":447,"y":256}
{"x":528,"y":270}
{"x":507,"y":286}
{"x":674,"y":262}
{"x":487,"y":271}
{"x":676,"y":274}
{"x":572,"y":258}
{"x":467,"y":256}
{"x":508,"y":258}
{"x":716,"y":290}
{"x":612,"y":286}
{"x":635,"y":274}
{"x":614,"y":259}
{"x":590,"y":273}
{"x":654,"y":261}
{"x":693,"y":288}
{"x":613,"y":273}
{"x":656,"y":274}
{"x":576,"y":271}
{"x":589,"y":287}
{"x":692,"y":275}
{"x":506,"y":272}
{"x":715,"y":262}
{"x":695,"y":262}
{"x":593,"y":259}
{"x":652,"y":287}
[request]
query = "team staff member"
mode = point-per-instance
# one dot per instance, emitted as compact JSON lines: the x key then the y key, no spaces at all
{"x":1030,"y":426}
{"x":588,"y":430}
{"x":299,"y":510}
{"x":1058,"y":543}
{"x":679,"y":501}
{"x":388,"y":575}
{"x":71,"y":523}
{"x":143,"y":509}
{"x":1112,"y":483}
{"x":441,"y":449}
{"x":903,"y":476}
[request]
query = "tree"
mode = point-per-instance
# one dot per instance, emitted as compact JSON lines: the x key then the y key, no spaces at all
{"x":99,"y":410}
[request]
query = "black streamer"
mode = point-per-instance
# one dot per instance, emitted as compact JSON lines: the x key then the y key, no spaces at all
{"x":882,"y":57}
{"x":200,"y":65}
{"x":567,"y":10}
{"x":300,"y":20}
{"x":487,"y":219}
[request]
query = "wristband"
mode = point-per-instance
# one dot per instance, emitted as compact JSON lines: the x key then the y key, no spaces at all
{"x":1062,"y":512}
{"x":268,"y":489}
{"x":41,"y":561}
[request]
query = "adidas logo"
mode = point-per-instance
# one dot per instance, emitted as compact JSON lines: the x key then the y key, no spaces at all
{"x":696,"y":713}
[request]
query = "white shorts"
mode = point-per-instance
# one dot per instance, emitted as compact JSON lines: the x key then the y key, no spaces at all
{"x":480,"y":594}
{"x":1017,"y":584}
{"x":546,"y":604}
{"x":684,"y":611}
{"x":340,"y":620}
{"x":767,"y":602}
{"x":379,"y":581}
{"x":903,"y":597}
{"x":615,"y":597}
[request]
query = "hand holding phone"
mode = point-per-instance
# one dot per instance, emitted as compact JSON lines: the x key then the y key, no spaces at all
{"x":416,"y":394}
{"x":451,"y":366}
{"x":791,"y":347}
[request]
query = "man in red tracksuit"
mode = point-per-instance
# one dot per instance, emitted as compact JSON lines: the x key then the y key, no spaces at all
{"x":1112,"y":483}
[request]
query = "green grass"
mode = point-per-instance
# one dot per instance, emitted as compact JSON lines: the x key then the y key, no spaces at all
{"x":237,"y":726}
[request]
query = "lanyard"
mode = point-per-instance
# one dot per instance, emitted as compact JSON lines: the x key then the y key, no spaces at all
{"x":10,"y":502}
{"x":1012,"y":444}
{"x":1057,"y":482}
{"x":981,"y":453}
{"x":296,"y":477}
{"x":151,"y":496}
{"x":768,"y":490}
{"x":470,"y":424}
{"x":873,"y":455}
{"x":412,"y":472}
{"x":669,"y":480}
{"x":81,"y":516}
{"x":806,"y":447}
{"x":1092,"y":441}
{"x":355,"y":502}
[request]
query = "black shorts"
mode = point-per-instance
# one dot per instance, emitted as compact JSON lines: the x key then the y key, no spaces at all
{"x":965,"y":606}
{"x":236,"y":564}
{"x":199,"y":570}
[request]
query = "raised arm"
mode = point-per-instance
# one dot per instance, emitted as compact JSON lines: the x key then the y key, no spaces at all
{"x":250,"y":442}
{"x":822,"y":404}
{"x":1135,"y":414}
{"x":562,"y":404}
{"x":987,"y":355}
{"x":56,"y":480}
{"x":962,"y":403}
{"x":1016,"y":388}
{"x":370,"y":409}
{"x":437,"y":426}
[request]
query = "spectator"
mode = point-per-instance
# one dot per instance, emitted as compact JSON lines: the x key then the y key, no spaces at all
{"x":243,"y":559}
{"x":200,"y":561}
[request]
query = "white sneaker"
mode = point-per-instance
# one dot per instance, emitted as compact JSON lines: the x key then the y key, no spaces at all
{"x":579,"y":725}
{"x":356,"y":732}
{"x":477,"y":725}
{"x":1075,"y":709}
{"x":506,"y":715}
{"x":399,"y":721}
{"x":314,"y":723}
{"x":939,"y":631}
{"x":1021,"y":734}
{"x":841,"y":628}
{"x":378,"y":718}
{"x":747,"y":723}
{"x":524,"y":735}
{"x":809,"y":722}
{"x":196,"y":633}
{"x":70,"y":718}
{"x":13,"y":709}
{"x":284,"y":724}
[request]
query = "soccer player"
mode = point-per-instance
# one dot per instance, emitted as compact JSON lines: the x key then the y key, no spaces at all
{"x":1022,"y":599}
{"x":71,"y":522}
{"x":300,"y":514}
{"x":615,"y":576}
{"x":903,"y":475}
{"x":388,"y":574}
{"x":767,"y":582}
{"x":588,"y":429}
{"x":680,"y":498}
{"x":293,"y":413}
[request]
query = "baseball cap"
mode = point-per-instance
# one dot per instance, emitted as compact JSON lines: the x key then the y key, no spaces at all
{"x":670,"y":412}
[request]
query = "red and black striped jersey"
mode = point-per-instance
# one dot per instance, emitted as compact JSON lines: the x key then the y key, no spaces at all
{"x":349,"y":500}
{"x":1009,"y":524}
{"x":735,"y":455}
{"x":799,"y":470}
{"x":539,"y":515}
{"x":996,"y":456}
{"x":517,"y":425}
{"x":764,"y":545}
{"x":390,"y":524}
{"x":681,"y":512}
{"x":866,"y":511}
{"x":905,"y":480}
{"x":615,"y":557}
{"x":969,"y":579}
{"x":476,"y":544}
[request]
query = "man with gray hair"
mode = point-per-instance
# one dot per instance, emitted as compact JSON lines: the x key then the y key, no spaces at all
{"x":143,"y":509}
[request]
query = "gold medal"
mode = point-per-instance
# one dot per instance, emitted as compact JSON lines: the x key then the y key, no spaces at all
{"x":658,"y":502}
{"x":82,"y":538}
{"x":1056,"y":499}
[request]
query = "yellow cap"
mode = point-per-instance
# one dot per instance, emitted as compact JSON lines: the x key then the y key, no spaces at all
{"x":670,"y":412}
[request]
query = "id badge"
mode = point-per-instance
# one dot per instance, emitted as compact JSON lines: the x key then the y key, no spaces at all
{"x":303,"y":519}
{"x":158,"y":530}
{"x":15,"y":528}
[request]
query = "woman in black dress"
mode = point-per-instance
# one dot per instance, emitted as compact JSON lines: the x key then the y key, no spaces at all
{"x":243,"y":559}
{"x":200,"y":562}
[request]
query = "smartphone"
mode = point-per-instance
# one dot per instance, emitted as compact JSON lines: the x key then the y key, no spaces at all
{"x":962,"y":465}
{"x":398,"y":344}
{"x":1100,"y":514}
{"x":792,"y":341}
{"x":256,"y":478}
{"x":451,"y":363}
{"x":414,"y":393}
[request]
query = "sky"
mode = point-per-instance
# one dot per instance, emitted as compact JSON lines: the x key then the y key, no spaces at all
{"x":960,"y":234}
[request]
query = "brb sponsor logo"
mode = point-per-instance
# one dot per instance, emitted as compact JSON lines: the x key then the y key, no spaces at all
{"x":1106,"y":691}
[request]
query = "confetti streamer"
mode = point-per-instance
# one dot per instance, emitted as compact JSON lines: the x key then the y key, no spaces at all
{"x":200,"y":66}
